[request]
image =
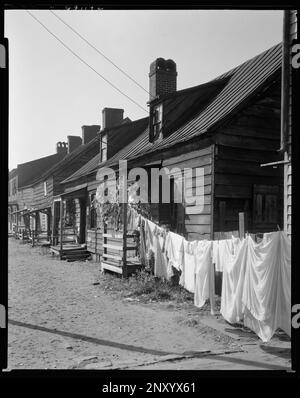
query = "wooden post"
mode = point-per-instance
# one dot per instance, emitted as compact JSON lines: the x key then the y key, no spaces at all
{"x":212,"y":290}
{"x":33,"y":229}
{"x":243,"y":227}
{"x":104,"y":241}
{"x":17,"y":222}
{"x":53,"y":224}
{"x":61,"y":227}
{"x":96,"y":230}
{"x":48,"y":217}
{"x":124,"y":239}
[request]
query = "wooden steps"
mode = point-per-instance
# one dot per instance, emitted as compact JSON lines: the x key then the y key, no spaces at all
{"x":71,"y":252}
{"x":130,"y":268}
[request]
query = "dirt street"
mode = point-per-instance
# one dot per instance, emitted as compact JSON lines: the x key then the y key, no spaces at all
{"x":61,"y":316}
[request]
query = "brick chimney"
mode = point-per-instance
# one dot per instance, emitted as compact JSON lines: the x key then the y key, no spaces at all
{"x":112,"y":117}
{"x":89,"y":133}
{"x":61,"y":147}
{"x":74,"y":141}
{"x":162,"y":78}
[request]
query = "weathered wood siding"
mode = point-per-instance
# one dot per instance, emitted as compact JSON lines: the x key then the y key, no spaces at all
{"x":40,"y":198}
{"x":288,"y":153}
{"x":26,"y":197}
{"x":197,"y":220}
{"x":252,"y":138}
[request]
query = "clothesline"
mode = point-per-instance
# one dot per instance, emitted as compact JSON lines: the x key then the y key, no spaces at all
{"x":255,"y":276}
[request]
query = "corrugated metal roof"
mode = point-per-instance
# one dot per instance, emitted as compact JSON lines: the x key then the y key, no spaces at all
{"x":29,"y":172}
{"x":242,"y":82}
{"x":119,"y":136}
{"x":79,"y":155}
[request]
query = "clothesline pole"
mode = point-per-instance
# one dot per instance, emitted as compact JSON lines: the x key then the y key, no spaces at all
{"x":212,"y":290}
{"x":242,"y":224}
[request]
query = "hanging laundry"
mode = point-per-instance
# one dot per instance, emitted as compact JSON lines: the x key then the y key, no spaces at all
{"x":174,"y":250}
{"x":161,"y":261}
{"x":133,"y":219}
{"x":223,"y":251}
{"x":149,"y":235}
{"x":155,"y":238}
{"x":142,"y":249}
{"x":233,"y":283}
{"x":267,"y":287}
{"x":187,"y":277}
{"x":203,"y":270}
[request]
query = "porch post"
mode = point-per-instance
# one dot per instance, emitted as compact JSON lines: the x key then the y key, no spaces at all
{"x":34,"y":229}
{"x":124,"y":239}
{"x":53,"y":224}
{"x":61,"y":227}
{"x":48,"y":223}
{"x":17,"y":222}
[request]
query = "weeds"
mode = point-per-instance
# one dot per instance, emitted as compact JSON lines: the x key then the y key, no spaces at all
{"x":148,"y":287}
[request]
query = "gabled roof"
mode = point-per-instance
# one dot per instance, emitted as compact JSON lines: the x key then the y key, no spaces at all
{"x":70,"y":162}
{"x":119,"y":137}
{"x":12,"y":173}
{"x":30,"y":171}
{"x":244,"y":81}
{"x":222,"y":98}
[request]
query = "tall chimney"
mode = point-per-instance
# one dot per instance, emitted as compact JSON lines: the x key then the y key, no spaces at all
{"x":74,"y":141}
{"x":89,"y":133}
{"x":61,"y":147}
{"x":162,"y":78}
{"x":112,"y":117}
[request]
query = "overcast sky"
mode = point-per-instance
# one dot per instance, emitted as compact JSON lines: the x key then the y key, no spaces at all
{"x":52,"y":94}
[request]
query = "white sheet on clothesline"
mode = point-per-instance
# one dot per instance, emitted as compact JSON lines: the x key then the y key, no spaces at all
{"x":203,"y":270}
{"x":267,"y":287}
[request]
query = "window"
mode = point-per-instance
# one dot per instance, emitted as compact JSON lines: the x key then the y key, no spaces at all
{"x":93,"y":213}
{"x":103,"y":146}
{"x":265,"y":204}
{"x":156,"y":114}
{"x":14,"y":187}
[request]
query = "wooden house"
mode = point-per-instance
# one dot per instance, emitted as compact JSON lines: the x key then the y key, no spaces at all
{"x":21,"y":194}
{"x":227,"y":127}
{"x":290,"y":36}
{"x":115,"y":135}
{"x":47,"y":188}
{"x":12,"y":200}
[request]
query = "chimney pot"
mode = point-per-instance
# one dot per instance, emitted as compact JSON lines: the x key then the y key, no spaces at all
{"x":61,"y":147}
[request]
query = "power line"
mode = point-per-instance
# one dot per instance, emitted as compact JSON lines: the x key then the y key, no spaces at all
{"x":83,"y":61}
{"x":99,"y":52}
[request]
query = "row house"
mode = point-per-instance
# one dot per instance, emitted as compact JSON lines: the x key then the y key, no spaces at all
{"x":228,"y":127}
{"x":20,"y":190}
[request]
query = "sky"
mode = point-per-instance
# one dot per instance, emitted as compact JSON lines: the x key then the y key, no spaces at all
{"x":52,"y":93}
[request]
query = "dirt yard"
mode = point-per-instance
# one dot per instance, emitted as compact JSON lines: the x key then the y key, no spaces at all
{"x":68,"y":315}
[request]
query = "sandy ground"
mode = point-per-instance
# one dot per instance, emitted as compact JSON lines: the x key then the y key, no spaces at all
{"x":60,"y":317}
